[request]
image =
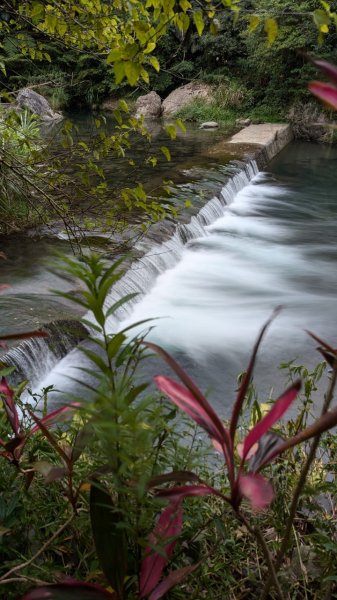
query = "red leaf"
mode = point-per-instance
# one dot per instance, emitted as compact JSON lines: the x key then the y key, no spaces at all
{"x":25,"y":335}
{"x":171,"y":581}
{"x":329,"y":69}
{"x":185,"y":399}
{"x":178,"y":493}
{"x":279,"y":408}
{"x":169,"y":525}
{"x":247,"y":377}
{"x":177,"y":476}
{"x":325,"y":422}
{"x":9,"y":405}
{"x":194,"y":390}
{"x":48,"y":420}
{"x":256,"y":489}
{"x":70,"y":590}
{"x":325,"y":92}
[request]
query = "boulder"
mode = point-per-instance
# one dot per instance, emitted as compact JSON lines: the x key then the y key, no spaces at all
{"x":209,"y":125}
{"x":243,"y":122}
{"x":110,"y":104}
{"x":37,"y":104}
{"x":148,"y":106}
{"x":185,"y":95}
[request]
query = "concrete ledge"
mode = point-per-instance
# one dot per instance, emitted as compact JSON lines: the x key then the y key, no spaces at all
{"x":270,"y":137}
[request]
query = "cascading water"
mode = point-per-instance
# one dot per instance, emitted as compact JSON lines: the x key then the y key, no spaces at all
{"x":142,"y":274}
{"x":269,"y":239}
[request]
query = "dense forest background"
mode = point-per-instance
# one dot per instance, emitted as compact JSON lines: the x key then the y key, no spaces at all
{"x":258,"y":74}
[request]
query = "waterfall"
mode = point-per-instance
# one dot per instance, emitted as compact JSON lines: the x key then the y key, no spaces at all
{"x":143,"y":273}
{"x":37,"y":360}
{"x":34,"y":358}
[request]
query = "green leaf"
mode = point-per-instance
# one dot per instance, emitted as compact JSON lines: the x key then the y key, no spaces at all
{"x":155,"y":63}
{"x":149,"y":48}
{"x":254,"y":22}
{"x":181,"y":125}
{"x":199,"y":21}
{"x":271,"y":29}
{"x":119,"y":70}
{"x":132,"y":72}
{"x":82,"y":439}
{"x":171,"y":131}
{"x":166,"y":152}
{"x":109,"y":537}
{"x":322,"y":20}
{"x":122,"y":105}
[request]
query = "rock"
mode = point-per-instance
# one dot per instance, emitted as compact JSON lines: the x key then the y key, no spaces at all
{"x":209,"y":125}
{"x":110,"y":104}
{"x":37,"y":104}
{"x":185,"y":95}
{"x":243,"y":122}
{"x":148,"y":106}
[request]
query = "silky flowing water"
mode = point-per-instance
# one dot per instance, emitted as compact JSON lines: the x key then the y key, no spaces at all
{"x":270,"y":239}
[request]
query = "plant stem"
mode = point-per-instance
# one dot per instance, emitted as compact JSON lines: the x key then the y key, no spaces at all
{"x":298,"y":490}
{"x":257,"y":534}
{"x":4,"y":578}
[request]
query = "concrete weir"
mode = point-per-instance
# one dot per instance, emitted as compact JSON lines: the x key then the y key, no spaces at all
{"x":264,"y":140}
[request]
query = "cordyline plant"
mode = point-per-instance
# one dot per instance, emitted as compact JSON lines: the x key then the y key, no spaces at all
{"x":260,"y":447}
{"x":326,"y":92}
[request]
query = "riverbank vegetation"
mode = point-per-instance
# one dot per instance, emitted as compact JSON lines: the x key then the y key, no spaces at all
{"x":254,"y":54}
{"x":79,"y":499}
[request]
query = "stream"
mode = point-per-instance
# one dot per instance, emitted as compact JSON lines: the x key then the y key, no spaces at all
{"x":257,"y":240}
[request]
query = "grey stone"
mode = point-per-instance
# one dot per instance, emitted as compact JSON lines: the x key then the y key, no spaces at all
{"x":148,"y":106}
{"x":243,"y":122}
{"x":209,"y":125}
{"x":185,"y":95}
{"x":37,"y":104}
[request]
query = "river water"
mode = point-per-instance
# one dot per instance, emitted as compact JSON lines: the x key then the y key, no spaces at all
{"x":274,"y":243}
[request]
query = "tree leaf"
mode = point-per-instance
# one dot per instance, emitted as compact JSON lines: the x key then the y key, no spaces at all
{"x":172,"y":580}
{"x":247,"y":377}
{"x":109,"y":537}
{"x":72,"y":590}
{"x":169,"y":525}
{"x":280,"y":406}
{"x":9,"y":406}
{"x":178,"y":493}
{"x":256,"y":489}
{"x":198,"y":21}
{"x":184,"y":399}
{"x":81,"y":441}
{"x":325,"y":92}
{"x":271,"y":29}
{"x":25,"y":335}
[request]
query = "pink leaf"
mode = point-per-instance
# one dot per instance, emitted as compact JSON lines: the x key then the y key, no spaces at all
{"x":9,"y":405}
{"x":279,"y":408}
{"x":4,"y":286}
{"x":25,"y":335}
{"x":325,"y":92}
{"x":329,"y":69}
{"x":48,"y":420}
{"x":194,"y":390}
{"x":178,"y":493}
{"x":70,"y":590}
{"x":183,"y":398}
{"x":169,"y":525}
{"x":247,"y":377}
{"x":171,"y":581}
{"x":256,"y":489}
